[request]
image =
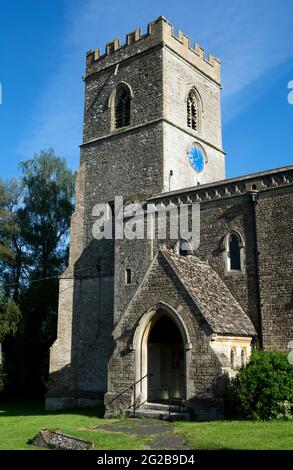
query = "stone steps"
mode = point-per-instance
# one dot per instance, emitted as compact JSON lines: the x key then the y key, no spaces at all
{"x":161,"y":406}
{"x":159,"y":411}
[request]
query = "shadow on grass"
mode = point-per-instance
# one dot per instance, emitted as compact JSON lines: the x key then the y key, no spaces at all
{"x":37,"y":408}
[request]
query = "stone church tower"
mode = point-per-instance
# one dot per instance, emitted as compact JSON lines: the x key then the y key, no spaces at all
{"x":171,"y":318}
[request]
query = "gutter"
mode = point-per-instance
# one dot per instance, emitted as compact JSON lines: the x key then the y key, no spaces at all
{"x":253,"y":196}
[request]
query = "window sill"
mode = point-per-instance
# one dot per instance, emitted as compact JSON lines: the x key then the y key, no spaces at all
{"x":234,"y":272}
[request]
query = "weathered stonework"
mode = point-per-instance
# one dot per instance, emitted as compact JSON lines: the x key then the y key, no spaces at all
{"x":105,"y":324}
{"x":55,"y":439}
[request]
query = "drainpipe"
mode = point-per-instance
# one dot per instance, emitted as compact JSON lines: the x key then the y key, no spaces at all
{"x":170,"y":176}
{"x":99,"y":298}
{"x":253,"y":195}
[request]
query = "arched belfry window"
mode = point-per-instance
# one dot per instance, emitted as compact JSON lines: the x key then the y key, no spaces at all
{"x":193,"y":110}
{"x":234,"y":252}
{"x":122,"y":106}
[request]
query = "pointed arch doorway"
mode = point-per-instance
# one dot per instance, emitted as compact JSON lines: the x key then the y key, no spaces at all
{"x":166,"y":360}
{"x":162,"y":350}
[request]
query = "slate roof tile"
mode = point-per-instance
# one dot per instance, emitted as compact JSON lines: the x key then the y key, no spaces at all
{"x":216,"y":303}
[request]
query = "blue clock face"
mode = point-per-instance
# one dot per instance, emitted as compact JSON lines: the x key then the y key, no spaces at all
{"x":196,"y":157}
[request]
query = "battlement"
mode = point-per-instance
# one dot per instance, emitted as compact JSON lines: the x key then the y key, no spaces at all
{"x":159,"y":32}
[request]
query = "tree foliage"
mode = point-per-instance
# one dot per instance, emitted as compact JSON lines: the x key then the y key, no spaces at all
{"x":9,"y":317}
{"x":46,"y":210}
{"x":263,"y":389}
{"x":13,"y":257}
{"x":35,"y":213}
{"x":2,"y":376}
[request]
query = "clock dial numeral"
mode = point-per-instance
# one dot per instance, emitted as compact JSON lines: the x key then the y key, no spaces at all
{"x":196,"y":157}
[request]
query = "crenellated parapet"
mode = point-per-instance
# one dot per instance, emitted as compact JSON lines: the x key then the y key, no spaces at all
{"x":159,"y":33}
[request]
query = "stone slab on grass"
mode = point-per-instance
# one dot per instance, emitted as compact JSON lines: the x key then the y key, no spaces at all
{"x":161,"y":431}
{"x":139,"y":427}
{"x":55,"y":439}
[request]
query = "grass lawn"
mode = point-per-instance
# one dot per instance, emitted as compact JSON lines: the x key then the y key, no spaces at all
{"x":217,"y":435}
{"x":20,"y":422}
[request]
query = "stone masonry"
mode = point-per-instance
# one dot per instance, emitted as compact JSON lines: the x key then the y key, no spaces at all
{"x":105,"y":321}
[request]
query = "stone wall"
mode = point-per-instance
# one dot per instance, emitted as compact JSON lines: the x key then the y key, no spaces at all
{"x":135,"y":162}
{"x":203,"y":368}
{"x":179,"y":77}
{"x":228,"y":205}
{"x":275,"y":246}
{"x":159,"y":32}
{"x":176,"y":146}
{"x":144,"y":76}
{"x":80,"y":355}
{"x":217,"y":220}
{"x":129,"y":165}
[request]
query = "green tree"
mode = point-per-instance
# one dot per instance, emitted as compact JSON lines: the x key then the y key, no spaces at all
{"x":44,"y":219}
{"x":46,"y":211}
{"x":9,"y":311}
{"x":36,"y":212}
{"x":5,"y":219}
{"x":9,"y":319}
{"x":263,"y":389}
{"x":13,"y":256}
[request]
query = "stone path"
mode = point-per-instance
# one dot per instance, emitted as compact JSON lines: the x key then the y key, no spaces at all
{"x":162,"y":431}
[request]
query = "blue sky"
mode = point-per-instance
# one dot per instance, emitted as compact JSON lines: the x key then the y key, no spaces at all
{"x":42,"y":58}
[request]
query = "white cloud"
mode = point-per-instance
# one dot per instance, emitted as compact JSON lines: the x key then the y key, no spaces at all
{"x":250,"y":37}
{"x":56,"y":120}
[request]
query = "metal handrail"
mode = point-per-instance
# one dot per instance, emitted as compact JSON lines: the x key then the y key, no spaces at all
{"x":168,"y":388}
{"x":132,"y":386}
